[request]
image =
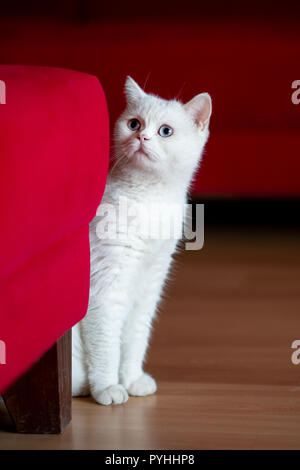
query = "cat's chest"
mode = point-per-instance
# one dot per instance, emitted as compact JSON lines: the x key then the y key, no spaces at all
{"x":152,"y":221}
{"x":146,"y":219}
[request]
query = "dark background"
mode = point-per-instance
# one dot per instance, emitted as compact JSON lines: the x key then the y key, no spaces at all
{"x":93,"y":9}
{"x":246,"y":54}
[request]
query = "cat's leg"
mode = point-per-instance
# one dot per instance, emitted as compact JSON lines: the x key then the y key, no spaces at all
{"x":136,"y":332}
{"x":80,"y":385}
{"x":110,"y":301}
{"x":102,"y":327}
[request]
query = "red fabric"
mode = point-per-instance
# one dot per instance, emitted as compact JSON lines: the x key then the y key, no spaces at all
{"x":247,"y":66}
{"x":53,"y":164}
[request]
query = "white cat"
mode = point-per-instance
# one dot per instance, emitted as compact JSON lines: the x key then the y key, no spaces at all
{"x":158,"y":145}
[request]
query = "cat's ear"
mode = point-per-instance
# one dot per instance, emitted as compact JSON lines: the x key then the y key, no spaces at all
{"x":200,"y":107}
{"x":132,"y":91}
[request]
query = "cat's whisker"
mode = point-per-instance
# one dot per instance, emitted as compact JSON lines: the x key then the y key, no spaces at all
{"x":177,"y":97}
{"x":118,"y":162}
{"x":146,"y":81}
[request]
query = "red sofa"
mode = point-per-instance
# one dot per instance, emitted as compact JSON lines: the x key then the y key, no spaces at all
{"x":54,"y":141}
{"x":248,"y":66}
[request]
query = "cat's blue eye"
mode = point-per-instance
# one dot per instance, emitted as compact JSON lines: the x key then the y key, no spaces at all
{"x":165,"y":131}
{"x":134,"y":124}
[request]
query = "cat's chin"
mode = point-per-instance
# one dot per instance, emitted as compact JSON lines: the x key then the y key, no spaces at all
{"x":142,"y":159}
{"x":141,"y":153}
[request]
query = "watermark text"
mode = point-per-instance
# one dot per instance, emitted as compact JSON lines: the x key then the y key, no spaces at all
{"x":137,"y":222}
{"x":296,"y":94}
{"x":296,"y":354}
{"x":2,"y":352}
{"x":2,"y":92}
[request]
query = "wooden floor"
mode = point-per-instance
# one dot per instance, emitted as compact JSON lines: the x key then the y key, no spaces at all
{"x":221,"y":354}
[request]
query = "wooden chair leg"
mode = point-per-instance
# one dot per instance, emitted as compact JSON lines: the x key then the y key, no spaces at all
{"x":40,"y":401}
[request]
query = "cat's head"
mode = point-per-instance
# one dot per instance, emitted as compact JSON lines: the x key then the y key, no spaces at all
{"x":161,"y":136}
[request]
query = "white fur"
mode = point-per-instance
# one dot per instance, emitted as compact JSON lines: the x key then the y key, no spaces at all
{"x":128,"y":275}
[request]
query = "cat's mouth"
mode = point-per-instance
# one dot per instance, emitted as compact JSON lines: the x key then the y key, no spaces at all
{"x":141,"y":151}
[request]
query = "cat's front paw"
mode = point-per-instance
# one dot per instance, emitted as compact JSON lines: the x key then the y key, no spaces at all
{"x":113,"y":395}
{"x":144,"y":385}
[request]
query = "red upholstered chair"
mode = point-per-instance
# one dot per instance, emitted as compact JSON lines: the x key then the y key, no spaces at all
{"x":54,"y":142}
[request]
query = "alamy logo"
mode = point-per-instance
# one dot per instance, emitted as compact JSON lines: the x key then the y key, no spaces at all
{"x":2,"y":92}
{"x":125,"y":221}
{"x":296,"y":94}
{"x":296,"y":354}
{"x":2,"y":352}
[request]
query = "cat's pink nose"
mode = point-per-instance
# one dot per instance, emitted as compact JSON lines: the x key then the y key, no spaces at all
{"x":143,"y":137}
